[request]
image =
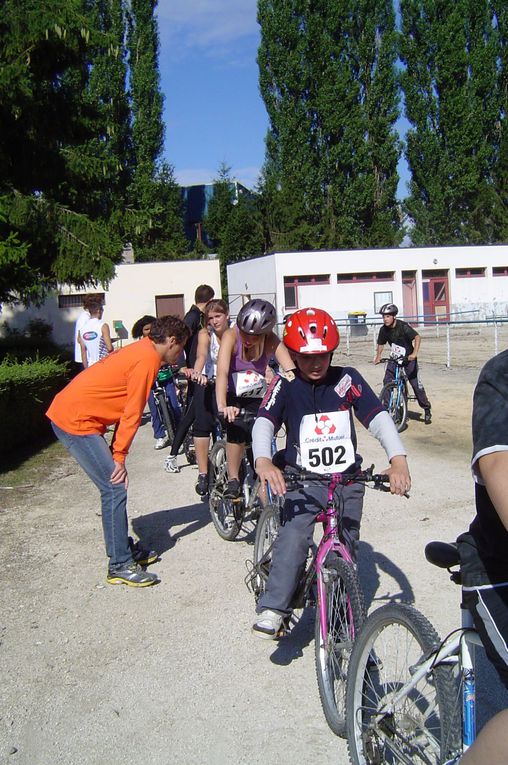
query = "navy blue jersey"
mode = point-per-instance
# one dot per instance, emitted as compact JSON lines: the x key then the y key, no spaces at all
{"x":342,"y":389}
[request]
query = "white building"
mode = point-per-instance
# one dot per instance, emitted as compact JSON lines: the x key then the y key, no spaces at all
{"x":137,"y":289}
{"x":424,"y":282}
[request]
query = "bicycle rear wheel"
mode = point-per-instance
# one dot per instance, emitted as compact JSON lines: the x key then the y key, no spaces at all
{"x":345,"y":612}
{"x":227,"y":515}
{"x":395,"y":401}
{"x":166,"y":414}
{"x":421,"y":727}
{"x":266,"y":533}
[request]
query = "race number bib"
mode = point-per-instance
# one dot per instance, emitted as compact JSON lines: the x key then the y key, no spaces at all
{"x":249,"y":384}
{"x":398,"y":351}
{"x":325,"y":442}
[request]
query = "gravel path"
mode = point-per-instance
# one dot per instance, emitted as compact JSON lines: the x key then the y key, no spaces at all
{"x":95,"y":674}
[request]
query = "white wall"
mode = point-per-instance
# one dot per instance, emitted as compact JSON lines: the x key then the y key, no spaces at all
{"x":255,"y":278}
{"x":487,"y":294}
{"x":130,"y":295}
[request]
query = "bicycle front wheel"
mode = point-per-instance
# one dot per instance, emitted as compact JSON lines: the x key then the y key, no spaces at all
{"x":395,"y":400}
{"x":345,"y":612}
{"x":419,"y":727}
{"x":227,"y":516}
{"x":266,"y":533}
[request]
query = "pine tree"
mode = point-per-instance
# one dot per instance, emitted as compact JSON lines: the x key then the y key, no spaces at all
{"x":45,"y":116}
{"x":449,"y":49}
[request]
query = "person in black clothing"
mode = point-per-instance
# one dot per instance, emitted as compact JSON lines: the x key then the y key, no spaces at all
{"x":482,"y":549}
{"x":195,"y":320}
{"x":404,"y":341}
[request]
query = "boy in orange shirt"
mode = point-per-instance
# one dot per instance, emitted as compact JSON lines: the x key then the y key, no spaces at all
{"x":115,"y":391}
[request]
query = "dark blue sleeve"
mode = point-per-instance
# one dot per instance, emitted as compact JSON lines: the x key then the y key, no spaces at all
{"x":365,"y":402}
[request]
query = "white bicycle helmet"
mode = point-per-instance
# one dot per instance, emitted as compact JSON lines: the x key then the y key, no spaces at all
{"x":257,"y":317}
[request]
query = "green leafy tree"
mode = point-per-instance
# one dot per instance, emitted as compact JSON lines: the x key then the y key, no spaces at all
{"x":233,"y":222}
{"x":450,"y":49}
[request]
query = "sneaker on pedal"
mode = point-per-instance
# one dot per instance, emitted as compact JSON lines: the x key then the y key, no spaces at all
{"x":233,"y":489}
{"x":202,"y":485}
{"x":427,"y":417}
{"x":268,"y":624}
{"x":141,"y":555}
{"x":170,"y":465}
{"x":132,"y":575}
{"x":160,"y":443}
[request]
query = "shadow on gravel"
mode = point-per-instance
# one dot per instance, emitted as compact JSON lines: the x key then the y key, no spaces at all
{"x":154,"y":529}
{"x":291,"y":646}
{"x":369,"y":560}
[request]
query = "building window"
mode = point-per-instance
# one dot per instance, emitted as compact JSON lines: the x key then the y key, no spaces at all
{"x":303,"y":281}
{"x":76,"y":301}
{"x":380,"y":298}
{"x":500,"y":271}
{"x":375,"y":276}
{"x":466,"y":273}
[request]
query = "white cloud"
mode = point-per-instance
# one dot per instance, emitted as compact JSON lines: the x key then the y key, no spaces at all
{"x":211,"y":25}
{"x":247,"y":176}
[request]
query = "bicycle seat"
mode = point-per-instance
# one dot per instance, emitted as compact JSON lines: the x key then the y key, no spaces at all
{"x":442,"y":554}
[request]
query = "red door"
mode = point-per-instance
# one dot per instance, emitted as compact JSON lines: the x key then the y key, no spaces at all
{"x":435,"y":298}
{"x":169,"y":305}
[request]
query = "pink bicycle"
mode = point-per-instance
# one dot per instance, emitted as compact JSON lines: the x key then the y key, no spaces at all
{"x":329,"y":580}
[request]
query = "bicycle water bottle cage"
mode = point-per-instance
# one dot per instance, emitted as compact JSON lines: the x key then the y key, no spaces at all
{"x":165,"y":374}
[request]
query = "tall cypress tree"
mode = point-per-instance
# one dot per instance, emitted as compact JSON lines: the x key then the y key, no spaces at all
{"x":327,"y":75}
{"x":450,"y":52}
{"x":155,"y":219}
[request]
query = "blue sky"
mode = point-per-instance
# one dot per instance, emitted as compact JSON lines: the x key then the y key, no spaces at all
{"x":213,"y":111}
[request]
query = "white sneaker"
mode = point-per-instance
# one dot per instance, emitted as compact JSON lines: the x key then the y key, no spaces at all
{"x":268,"y":624}
{"x":160,"y":443}
{"x":170,"y":465}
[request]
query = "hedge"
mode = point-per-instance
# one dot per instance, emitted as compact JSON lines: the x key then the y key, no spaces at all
{"x":26,"y":390}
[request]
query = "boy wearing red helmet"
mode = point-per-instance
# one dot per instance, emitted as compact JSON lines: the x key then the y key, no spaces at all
{"x":316,"y":407}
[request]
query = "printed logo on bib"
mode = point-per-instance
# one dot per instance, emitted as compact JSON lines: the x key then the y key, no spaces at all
{"x":325,"y":442}
{"x":398,"y":351}
{"x":249,"y":384}
{"x":343,"y":386}
{"x":90,"y":336}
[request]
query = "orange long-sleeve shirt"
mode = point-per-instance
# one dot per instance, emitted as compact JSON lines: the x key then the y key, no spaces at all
{"x":114,"y":390}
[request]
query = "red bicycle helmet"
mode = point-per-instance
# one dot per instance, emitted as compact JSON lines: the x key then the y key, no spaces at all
{"x":311,"y":330}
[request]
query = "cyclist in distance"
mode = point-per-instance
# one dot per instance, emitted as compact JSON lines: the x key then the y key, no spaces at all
{"x":316,"y":406}
{"x":404,"y":341}
{"x":244,"y":354}
{"x":142,"y":329}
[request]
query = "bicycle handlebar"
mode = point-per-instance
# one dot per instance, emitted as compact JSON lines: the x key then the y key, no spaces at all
{"x":244,"y":416}
{"x":379,"y":480}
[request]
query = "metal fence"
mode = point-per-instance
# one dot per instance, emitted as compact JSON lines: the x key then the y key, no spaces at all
{"x":448,"y":343}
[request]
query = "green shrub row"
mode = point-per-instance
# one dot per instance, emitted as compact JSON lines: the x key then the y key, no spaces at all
{"x":26,"y":390}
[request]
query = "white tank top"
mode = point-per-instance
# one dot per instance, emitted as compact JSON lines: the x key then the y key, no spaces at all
{"x":210,"y":369}
{"x":91,"y":335}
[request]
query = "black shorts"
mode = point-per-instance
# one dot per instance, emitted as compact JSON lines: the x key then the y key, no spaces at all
{"x":485,"y":594}
{"x":241,"y":432}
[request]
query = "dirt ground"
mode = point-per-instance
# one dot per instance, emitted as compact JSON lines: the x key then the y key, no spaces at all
{"x":95,"y":674}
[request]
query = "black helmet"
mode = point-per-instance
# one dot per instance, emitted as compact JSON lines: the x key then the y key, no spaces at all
{"x":390,"y":308}
{"x":257,"y":317}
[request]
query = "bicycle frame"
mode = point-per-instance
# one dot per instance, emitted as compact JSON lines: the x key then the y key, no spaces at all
{"x":330,"y":541}
{"x":456,"y":649}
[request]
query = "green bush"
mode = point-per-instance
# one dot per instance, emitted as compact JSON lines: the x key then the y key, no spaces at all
{"x":26,"y":390}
